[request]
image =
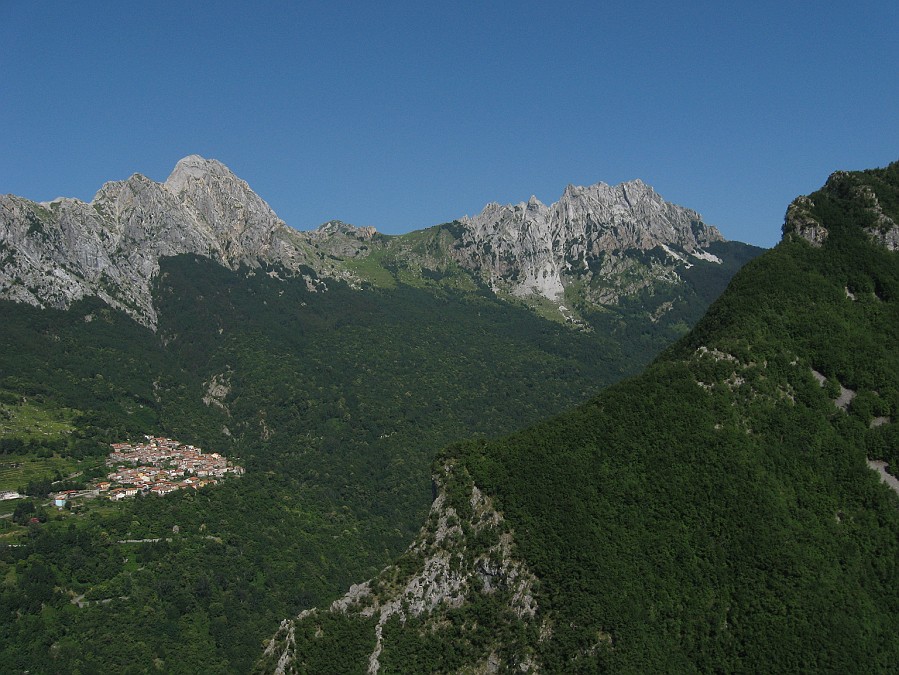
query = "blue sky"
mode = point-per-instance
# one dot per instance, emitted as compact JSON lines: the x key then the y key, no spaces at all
{"x":404,"y":115}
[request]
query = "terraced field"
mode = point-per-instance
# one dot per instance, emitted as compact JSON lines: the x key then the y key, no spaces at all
{"x":28,"y":420}
{"x":16,"y":471}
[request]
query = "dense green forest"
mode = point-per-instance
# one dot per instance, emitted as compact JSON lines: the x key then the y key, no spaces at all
{"x":335,"y":402}
{"x":714,"y":513}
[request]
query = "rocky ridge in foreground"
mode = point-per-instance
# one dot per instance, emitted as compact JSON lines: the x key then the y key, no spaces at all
{"x":463,"y":563}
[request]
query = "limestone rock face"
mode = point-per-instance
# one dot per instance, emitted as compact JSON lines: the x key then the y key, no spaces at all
{"x":458,"y":556}
{"x":800,"y":221}
{"x":885,"y":230}
{"x":531,"y":247}
{"x":54,"y":253}
{"x":57,"y":252}
{"x":339,"y":239}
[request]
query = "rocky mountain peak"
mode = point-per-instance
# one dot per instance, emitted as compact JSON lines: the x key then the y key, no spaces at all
{"x":196,"y":168}
{"x":535,"y":204}
{"x":532,"y":248}
{"x":338,"y":227}
{"x":67,"y":249}
{"x":221,"y":200}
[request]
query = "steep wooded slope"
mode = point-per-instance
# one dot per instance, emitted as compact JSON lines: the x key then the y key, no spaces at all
{"x":334,"y":364}
{"x":336,"y":404}
{"x":714,"y":513}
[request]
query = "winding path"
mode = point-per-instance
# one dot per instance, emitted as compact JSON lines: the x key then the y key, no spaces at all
{"x":881,"y":468}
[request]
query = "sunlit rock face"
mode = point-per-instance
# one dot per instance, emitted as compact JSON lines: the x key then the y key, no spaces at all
{"x":57,"y":252}
{"x":531,"y":248}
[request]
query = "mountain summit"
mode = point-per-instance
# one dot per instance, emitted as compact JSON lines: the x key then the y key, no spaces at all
{"x":60,"y":251}
{"x":533,"y":248}
{"x":196,"y":168}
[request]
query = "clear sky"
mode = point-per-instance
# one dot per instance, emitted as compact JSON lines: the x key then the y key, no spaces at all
{"x":403,"y":115}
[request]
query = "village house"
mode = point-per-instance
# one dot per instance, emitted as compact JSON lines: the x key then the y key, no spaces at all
{"x":163,"y":488}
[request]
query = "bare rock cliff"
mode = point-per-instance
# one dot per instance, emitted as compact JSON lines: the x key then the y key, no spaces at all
{"x":57,"y":252}
{"x":465,"y":552}
{"x":855,"y":196}
{"x":531,"y":248}
{"x":52,"y":254}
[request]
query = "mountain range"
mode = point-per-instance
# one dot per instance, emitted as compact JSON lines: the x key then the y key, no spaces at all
{"x":595,"y":247}
{"x":592,"y":475}
{"x":332,"y":364}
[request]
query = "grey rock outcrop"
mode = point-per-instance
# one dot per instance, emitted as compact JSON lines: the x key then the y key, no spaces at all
{"x":800,"y":221}
{"x":57,"y":252}
{"x":885,"y":230}
{"x":456,"y":557}
{"x":531,"y":248}
{"x":52,"y":254}
{"x":341,"y":240}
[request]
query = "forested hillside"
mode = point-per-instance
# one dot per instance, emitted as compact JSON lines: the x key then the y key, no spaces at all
{"x":335,"y":402}
{"x":714,"y":513}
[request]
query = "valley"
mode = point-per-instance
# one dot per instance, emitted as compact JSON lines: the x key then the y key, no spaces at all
{"x":664,"y":484}
{"x":336,"y":403}
{"x":481,"y":338}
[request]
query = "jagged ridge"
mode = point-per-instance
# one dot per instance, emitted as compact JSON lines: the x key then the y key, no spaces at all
{"x":532,"y":248}
{"x":55,"y":253}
